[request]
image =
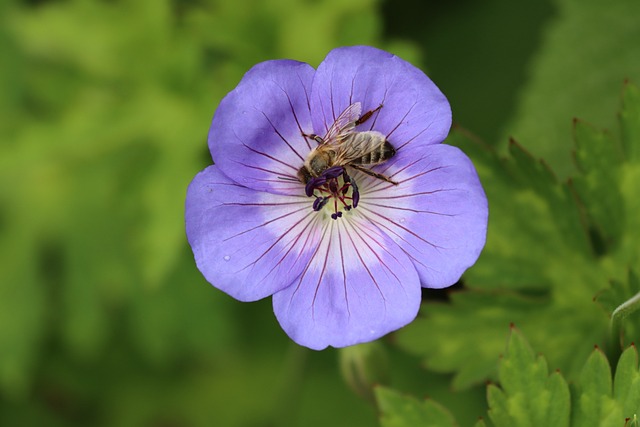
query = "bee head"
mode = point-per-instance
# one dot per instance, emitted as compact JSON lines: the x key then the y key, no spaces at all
{"x":303,"y":174}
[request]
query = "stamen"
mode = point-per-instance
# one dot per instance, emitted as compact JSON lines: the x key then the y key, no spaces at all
{"x":355,"y":194}
{"x":319,"y":203}
{"x":334,"y":183}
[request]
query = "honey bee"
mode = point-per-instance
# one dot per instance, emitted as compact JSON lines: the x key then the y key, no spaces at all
{"x":344,"y":146}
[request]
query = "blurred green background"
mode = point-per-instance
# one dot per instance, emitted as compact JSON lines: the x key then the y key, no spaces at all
{"x":105,"y":107}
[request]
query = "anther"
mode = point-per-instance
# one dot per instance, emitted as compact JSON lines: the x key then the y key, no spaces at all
{"x":355,"y":194}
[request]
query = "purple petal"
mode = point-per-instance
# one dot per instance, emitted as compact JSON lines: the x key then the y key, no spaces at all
{"x":247,"y":243}
{"x":414,"y":110}
{"x":256,"y":133}
{"x":358,"y":287}
{"x":437,"y":213}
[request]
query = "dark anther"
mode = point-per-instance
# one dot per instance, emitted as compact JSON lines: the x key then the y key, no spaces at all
{"x":313,"y":184}
{"x":333,"y":172}
{"x":355,"y":194}
{"x":319,"y":203}
{"x":336,"y":215}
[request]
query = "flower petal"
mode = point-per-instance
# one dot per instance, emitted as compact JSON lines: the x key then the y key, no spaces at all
{"x":437,"y":213}
{"x":358,"y":287}
{"x":256,"y":133}
{"x":414,"y":110}
{"x":247,"y":243}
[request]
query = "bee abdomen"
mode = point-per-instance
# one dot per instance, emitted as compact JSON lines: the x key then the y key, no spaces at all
{"x":382,"y":153}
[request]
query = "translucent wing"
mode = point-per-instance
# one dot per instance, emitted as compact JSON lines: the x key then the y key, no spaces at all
{"x":360,"y":145}
{"x":344,"y":124}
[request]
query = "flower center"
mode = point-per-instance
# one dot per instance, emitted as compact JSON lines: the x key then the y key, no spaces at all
{"x":335,"y":189}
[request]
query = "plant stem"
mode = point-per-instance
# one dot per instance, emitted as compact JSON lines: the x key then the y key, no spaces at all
{"x":619,"y":314}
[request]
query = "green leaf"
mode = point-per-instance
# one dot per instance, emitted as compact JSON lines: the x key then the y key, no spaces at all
{"x":405,"y":411}
{"x":601,"y":401}
{"x":594,"y":403}
{"x":528,"y":209}
{"x":536,"y":246}
{"x":528,"y":395}
{"x":468,"y":335}
{"x":551,"y":248}
{"x":588,"y":49}
{"x":626,"y":385}
{"x":599,"y":156}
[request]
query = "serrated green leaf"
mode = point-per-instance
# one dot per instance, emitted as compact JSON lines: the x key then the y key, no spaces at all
{"x":468,"y":335}
{"x":404,"y":411}
{"x":528,"y":209}
{"x":626,"y":384}
{"x":477,"y":320}
{"x":528,"y":395}
{"x":594,"y":403}
{"x":540,"y":249}
{"x":599,"y":156}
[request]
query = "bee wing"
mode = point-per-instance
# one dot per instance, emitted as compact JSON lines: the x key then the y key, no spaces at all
{"x":358,"y":145}
{"x":344,"y":124}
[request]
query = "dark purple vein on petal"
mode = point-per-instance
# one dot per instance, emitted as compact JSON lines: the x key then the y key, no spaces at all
{"x":373,"y":279}
{"x":401,"y":237}
{"x":373,"y":239}
{"x":324,"y":116}
{"x":433,"y":245}
{"x":425,"y":172}
{"x":381,"y":225}
{"x":269,"y":156}
{"x":265,"y":223}
{"x":210,"y":185}
{"x":353,"y":80}
{"x":333,"y":108}
{"x":367,"y":231}
{"x":305,"y":91}
{"x":312,"y":224}
{"x":375,"y":119}
{"x":295,"y":116}
{"x":282,"y":236}
{"x":410,"y":140}
{"x":344,"y":274}
{"x":258,"y":168}
{"x":410,"y":209}
{"x":311,"y":258}
{"x":407,"y":195}
{"x":280,"y":135}
{"x":376,"y":188}
{"x":383,"y":170}
{"x":260,"y":204}
{"x":291,"y":245}
{"x":324,"y":269}
{"x":402,"y":120}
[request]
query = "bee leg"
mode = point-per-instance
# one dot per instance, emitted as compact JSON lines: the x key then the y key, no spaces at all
{"x":373,"y":174}
{"x":315,"y":137}
{"x":367,"y":115}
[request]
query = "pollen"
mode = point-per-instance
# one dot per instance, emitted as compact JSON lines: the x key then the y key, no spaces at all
{"x":334,"y":190}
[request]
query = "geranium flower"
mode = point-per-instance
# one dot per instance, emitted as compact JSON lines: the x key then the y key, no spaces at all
{"x":345,"y":253}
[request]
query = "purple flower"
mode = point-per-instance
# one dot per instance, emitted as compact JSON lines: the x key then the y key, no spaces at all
{"x":345,"y":244}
